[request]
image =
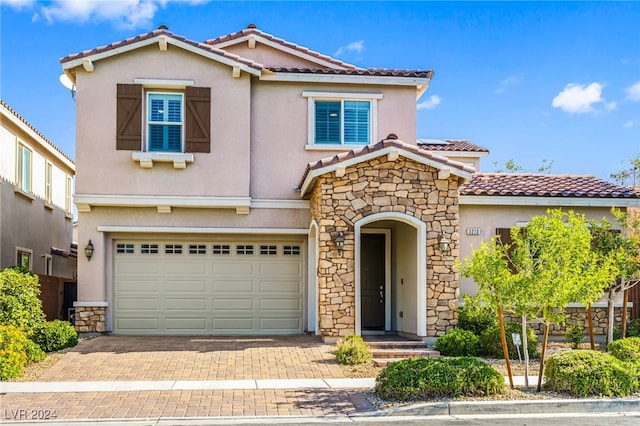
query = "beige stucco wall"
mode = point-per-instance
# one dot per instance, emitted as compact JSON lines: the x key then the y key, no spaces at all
{"x":223,"y":172}
{"x":268,"y":56}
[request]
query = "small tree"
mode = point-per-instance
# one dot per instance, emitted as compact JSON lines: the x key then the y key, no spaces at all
{"x":20,"y":305}
{"x":624,"y":247}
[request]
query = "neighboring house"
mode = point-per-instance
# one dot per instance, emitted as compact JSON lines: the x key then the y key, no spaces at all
{"x":248,"y":185}
{"x":36,"y":181}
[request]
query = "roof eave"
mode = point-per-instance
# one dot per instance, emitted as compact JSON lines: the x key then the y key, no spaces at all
{"x":206,"y":52}
{"x":313,"y":174}
{"x":506,"y":200}
{"x":343,"y":78}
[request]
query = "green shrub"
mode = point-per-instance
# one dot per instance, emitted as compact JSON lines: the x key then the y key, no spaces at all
{"x":574,"y":334}
{"x":589,"y":373}
{"x":625,"y":349}
{"x":34,"y":352}
{"x":19,"y":302}
{"x":352,"y":350}
{"x":427,"y":378}
{"x":13,"y":356}
{"x":458,"y":342}
{"x":474,"y":316}
{"x":491,"y":343}
{"x":55,"y":335}
{"x":633,"y":329}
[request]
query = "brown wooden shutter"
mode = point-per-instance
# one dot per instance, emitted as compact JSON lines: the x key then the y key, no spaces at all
{"x":129,"y":117}
{"x":504,"y":234}
{"x":198,"y":119}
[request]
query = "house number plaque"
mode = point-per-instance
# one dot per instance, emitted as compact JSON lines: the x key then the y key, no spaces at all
{"x":473,"y":231}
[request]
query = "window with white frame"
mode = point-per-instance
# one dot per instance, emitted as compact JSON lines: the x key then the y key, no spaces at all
{"x":164,"y":122}
{"x":67,"y":195}
{"x":342,"y":118}
{"x":48,"y":178}
{"x":48,"y":264}
{"x":23,"y":257}
{"x":23,"y":169}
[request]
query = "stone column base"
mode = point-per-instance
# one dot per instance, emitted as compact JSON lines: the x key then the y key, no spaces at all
{"x":90,"y":319}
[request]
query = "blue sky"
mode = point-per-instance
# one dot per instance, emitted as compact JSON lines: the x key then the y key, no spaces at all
{"x":555,"y":81}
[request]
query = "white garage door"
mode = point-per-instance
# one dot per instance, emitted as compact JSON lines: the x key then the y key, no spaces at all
{"x":207,"y":288}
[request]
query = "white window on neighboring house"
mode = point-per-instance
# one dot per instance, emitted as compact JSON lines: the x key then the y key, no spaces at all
{"x":23,"y":169}
{"x":48,"y":264}
{"x":23,"y":257}
{"x":68,"y":191}
{"x":165,"y":122}
{"x":342,"y":119}
{"x":48,"y":177}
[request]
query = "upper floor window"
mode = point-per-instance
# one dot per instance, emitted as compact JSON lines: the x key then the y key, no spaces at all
{"x":164,"y":122}
{"x":176,"y":121}
{"x":48,"y":178}
{"x":23,"y":169}
{"x":342,"y":118}
{"x":67,"y":195}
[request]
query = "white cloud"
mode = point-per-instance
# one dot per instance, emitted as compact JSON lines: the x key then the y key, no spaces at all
{"x":629,"y":124}
{"x":633,"y":92}
{"x":512,"y":80}
{"x":126,"y":14}
{"x":430,"y":103}
{"x":581,"y":98}
{"x":354,"y":46}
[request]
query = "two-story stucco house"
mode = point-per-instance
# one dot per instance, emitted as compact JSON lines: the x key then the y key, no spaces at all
{"x":36,"y":181}
{"x":248,"y":185}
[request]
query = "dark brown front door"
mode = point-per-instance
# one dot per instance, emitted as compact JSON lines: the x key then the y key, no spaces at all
{"x":372,"y":281}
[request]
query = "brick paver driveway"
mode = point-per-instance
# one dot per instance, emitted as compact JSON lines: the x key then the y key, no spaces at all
{"x":135,"y":358}
{"x":118,"y":358}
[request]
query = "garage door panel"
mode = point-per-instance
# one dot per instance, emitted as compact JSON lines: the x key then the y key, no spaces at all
{"x":186,"y":268}
{"x":275,"y":325}
{"x":234,"y":268}
{"x":232,"y":286}
{"x":138,"y":268}
{"x":222,"y":289}
{"x":134,"y":324}
{"x":222,"y":304}
{"x":279,"y":305}
{"x":233,"y":324}
{"x":280,"y":269}
{"x":279,"y":286}
{"x":186,"y":324}
{"x":136,"y":286}
{"x":186,"y":286}
{"x":185,"y":304}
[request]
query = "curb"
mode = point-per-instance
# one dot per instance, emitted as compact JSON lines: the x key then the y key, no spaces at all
{"x":541,"y":406}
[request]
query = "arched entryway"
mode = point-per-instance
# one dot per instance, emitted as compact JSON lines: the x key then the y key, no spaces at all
{"x":390,"y":274}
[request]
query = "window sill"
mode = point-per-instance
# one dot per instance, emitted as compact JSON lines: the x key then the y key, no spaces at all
{"x":146,"y":159}
{"x":26,"y":195}
{"x":333,"y":147}
{"x":48,"y":205}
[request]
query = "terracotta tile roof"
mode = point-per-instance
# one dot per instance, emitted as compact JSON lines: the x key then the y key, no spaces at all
{"x":361,"y":151}
{"x":380,"y":72}
{"x":452,"y":145}
{"x":251,"y":29}
{"x":36,"y":131}
{"x":156,"y":33}
{"x":543,"y":185}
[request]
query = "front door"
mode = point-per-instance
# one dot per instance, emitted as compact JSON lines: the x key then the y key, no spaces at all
{"x":372,"y":281}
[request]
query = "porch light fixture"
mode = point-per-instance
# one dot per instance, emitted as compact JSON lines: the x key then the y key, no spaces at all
{"x":339,"y":240}
{"x":444,"y":244}
{"x":88,"y":250}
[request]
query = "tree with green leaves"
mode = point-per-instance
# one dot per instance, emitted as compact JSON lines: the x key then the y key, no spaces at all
{"x":624,"y":246}
{"x":549,"y":264}
{"x":510,"y":166}
{"x":630,"y":175}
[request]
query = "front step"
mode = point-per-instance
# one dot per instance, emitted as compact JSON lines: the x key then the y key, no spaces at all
{"x":385,"y":351}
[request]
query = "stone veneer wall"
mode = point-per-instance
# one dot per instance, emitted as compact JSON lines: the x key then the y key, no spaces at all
{"x":90,"y":319}
{"x":600,"y":319}
{"x":375,"y":186}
